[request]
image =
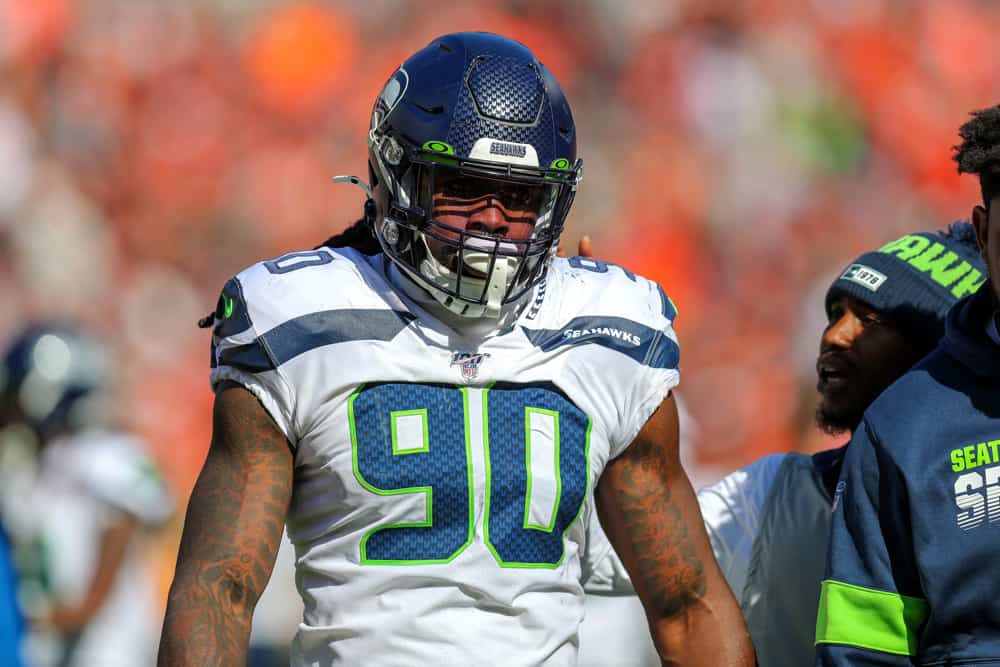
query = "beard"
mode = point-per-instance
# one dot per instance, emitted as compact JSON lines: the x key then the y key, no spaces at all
{"x":834,"y":420}
{"x":843,"y":402}
{"x":842,"y":407}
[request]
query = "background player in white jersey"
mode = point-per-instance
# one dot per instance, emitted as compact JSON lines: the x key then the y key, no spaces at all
{"x":430,"y":420}
{"x":77,"y":506}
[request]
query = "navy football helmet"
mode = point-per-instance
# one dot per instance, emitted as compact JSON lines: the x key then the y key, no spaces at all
{"x":50,"y":379}
{"x":475,"y":117}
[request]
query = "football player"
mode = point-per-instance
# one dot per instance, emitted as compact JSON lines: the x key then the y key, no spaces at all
{"x":77,"y":513}
{"x":430,"y":420}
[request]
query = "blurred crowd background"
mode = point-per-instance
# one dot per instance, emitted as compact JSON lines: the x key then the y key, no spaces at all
{"x":740,"y":152}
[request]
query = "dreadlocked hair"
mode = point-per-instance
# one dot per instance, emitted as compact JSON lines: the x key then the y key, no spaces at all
{"x":979,"y":152}
{"x":358,"y":236}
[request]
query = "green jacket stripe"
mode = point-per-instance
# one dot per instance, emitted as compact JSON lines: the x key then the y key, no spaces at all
{"x":869,"y":618}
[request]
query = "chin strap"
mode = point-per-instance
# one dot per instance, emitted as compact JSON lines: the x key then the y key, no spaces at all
{"x":497,"y":287}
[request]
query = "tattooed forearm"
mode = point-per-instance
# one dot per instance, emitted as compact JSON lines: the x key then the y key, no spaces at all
{"x":650,"y":512}
{"x":231,"y":536}
{"x":668,"y":563}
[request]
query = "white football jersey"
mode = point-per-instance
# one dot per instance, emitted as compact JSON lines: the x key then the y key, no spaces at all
{"x":443,"y":479}
{"x":85,"y":483}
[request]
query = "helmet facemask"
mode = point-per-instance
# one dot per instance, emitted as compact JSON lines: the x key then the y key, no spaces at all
{"x":475,"y":234}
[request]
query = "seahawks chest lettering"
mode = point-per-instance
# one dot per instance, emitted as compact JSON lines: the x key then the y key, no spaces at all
{"x":977,"y":487}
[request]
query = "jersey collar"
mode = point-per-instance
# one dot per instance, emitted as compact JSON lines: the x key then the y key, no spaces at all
{"x":469,"y":328}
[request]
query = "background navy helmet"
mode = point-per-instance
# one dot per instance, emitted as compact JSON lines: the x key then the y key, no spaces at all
{"x":482,"y":106}
{"x":50,"y":380}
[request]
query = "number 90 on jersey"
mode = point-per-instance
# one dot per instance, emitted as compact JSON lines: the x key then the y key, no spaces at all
{"x":418,"y":438}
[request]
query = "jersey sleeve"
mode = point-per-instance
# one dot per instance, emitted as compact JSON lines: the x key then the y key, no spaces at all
{"x":125,"y":478}
{"x":732,"y":511}
{"x":871,"y":607}
{"x":115,"y":469}
{"x":658,"y":357}
{"x":240,"y":354}
{"x":648,"y":338}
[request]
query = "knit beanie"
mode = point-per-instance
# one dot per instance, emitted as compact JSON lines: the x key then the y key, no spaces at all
{"x":916,"y":279}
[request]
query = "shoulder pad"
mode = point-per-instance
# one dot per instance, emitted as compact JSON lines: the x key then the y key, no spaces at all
{"x":610,"y":287}
{"x":609,"y":306}
{"x":277,"y":309}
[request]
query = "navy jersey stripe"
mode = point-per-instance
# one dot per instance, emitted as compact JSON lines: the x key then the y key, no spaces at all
{"x":307,"y":332}
{"x":666,"y":305}
{"x":252,"y":357}
{"x":640,"y":343}
{"x":292,"y":338}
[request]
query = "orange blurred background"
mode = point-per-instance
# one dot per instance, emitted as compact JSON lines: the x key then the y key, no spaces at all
{"x":740,"y":152}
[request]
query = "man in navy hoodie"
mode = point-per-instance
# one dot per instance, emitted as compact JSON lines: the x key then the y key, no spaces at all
{"x":769,"y":522}
{"x":912,"y":562}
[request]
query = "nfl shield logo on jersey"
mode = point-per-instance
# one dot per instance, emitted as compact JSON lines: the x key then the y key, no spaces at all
{"x":470,"y":363}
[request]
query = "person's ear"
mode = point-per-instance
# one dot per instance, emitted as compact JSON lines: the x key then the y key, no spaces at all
{"x":981,"y":222}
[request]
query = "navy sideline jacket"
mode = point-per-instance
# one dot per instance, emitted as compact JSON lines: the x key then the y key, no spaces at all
{"x":913,"y":575}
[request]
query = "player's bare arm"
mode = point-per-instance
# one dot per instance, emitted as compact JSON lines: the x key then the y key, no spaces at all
{"x":231,"y":535}
{"x":650,"y":513}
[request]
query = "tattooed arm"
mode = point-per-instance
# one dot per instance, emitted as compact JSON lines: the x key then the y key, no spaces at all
{"x":231,"y":536}
{"x":649,"y":511}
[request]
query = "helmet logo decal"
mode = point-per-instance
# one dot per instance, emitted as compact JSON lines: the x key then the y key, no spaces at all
{"x":439,"y":147}
{"x":390,"y":96}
